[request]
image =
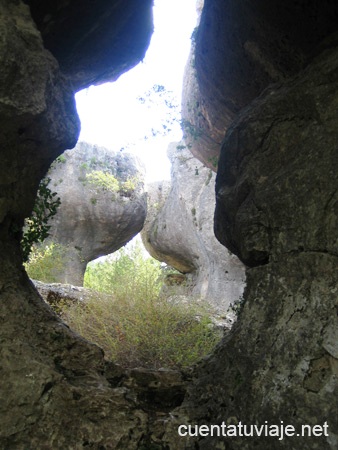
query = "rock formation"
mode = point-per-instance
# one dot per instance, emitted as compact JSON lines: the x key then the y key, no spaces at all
{"x":203,"y":127}
{"x":179,"y":231}
{"x":94,"y":44}
{"x":103,"y":206}
{"x":239,"y":50}
{"x":276,"y":208}
{"x":53,"y":392}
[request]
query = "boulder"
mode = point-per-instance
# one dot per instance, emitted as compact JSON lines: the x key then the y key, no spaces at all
{"x":179,"y":231}
{"x":103,"y":206}
{"x":278,"y":171}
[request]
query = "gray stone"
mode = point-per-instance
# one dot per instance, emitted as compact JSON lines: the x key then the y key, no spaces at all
{"x":51,"y":379}
{"x":277,"y":209}
{"x":284,"y":372}
{"x":87,"y":51}
{"x":240,"y":50}
{"x":278,"y":171}
{"x":179,"y":231}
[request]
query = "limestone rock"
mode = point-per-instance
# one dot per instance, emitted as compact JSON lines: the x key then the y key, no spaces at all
{"x":58,"y":295}
{"x":103,"y":206}
{"x":179,"y":231}
{"x":53,"y":392}
{"x":277,"y":208}
{"x":37,"y":114}
{"x":241,"y":48}
{"x":203,"y":128}
{"x":94,"y":43}
{"x":278,"y":171}
{"x":294,"y":382}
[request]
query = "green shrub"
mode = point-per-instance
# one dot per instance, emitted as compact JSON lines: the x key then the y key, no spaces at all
{"x":129,"y":185}
{"x":44,"y":261}
{"x":135,"y":325}
{"x":103,"y":180}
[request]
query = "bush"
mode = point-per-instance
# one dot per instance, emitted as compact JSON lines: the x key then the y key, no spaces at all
{"x":44,"y":261}
{"x":103,"y":180}
{"x":135,"y":325}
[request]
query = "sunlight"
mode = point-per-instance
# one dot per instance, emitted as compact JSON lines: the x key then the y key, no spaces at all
{"x":111,"y":114}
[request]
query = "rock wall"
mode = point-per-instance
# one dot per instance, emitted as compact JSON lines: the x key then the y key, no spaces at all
{"x":103,"y":206}
{"x":97,"y":44}
{"x":276,"y":208}
{"x":53,"y":391}
{"x":179,"y":231}
{"x":241,"y":48}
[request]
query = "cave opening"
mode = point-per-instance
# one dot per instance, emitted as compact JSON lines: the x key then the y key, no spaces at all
{"x":277,"y":195}
{"x":139,"y":115}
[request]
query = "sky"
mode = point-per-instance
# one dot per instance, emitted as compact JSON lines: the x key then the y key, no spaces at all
{"x":111,"y":114}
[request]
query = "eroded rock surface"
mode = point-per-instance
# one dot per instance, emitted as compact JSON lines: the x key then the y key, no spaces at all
{"x":243,"y":47}
{"x":53,"y":392}
{"x":94,"y":44}
{"x":286,"y":337}
{"x":103,"y":206}
{"x":277,"y":209}
{"x":179,"y":231}
{"x":277,"y":181}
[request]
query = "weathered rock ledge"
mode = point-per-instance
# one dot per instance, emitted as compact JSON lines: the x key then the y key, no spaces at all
{"x":179,"y":231}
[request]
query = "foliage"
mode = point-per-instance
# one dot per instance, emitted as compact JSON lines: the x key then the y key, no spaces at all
{"x":190,"y":130}
{"x":167,"y":106}
{"x":134,"y":324}
{"x":36,"y":227}
{"x":129,"y":185}
{"x":213,"y":160}
{"x":103,"y":180}
{"x":129,"y":265}
{"x":44,"y":261}
{"x":170,"y":114}
{"x":237,"y":306}
{"x":61,"y":159}
{"x":108,"y":182}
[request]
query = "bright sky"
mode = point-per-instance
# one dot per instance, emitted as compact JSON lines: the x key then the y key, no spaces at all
{"x":111,"y":115}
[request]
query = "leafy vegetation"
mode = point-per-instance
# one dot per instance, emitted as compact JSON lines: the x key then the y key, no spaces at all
{"x":103,"y":180}
{"x":44,"y":261}
{"x":167,"y":106}
{"x":36,"y":227}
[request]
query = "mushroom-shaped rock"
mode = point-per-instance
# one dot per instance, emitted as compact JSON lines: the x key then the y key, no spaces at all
{"x":103,"y":205}
{"x":179,"y":231}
